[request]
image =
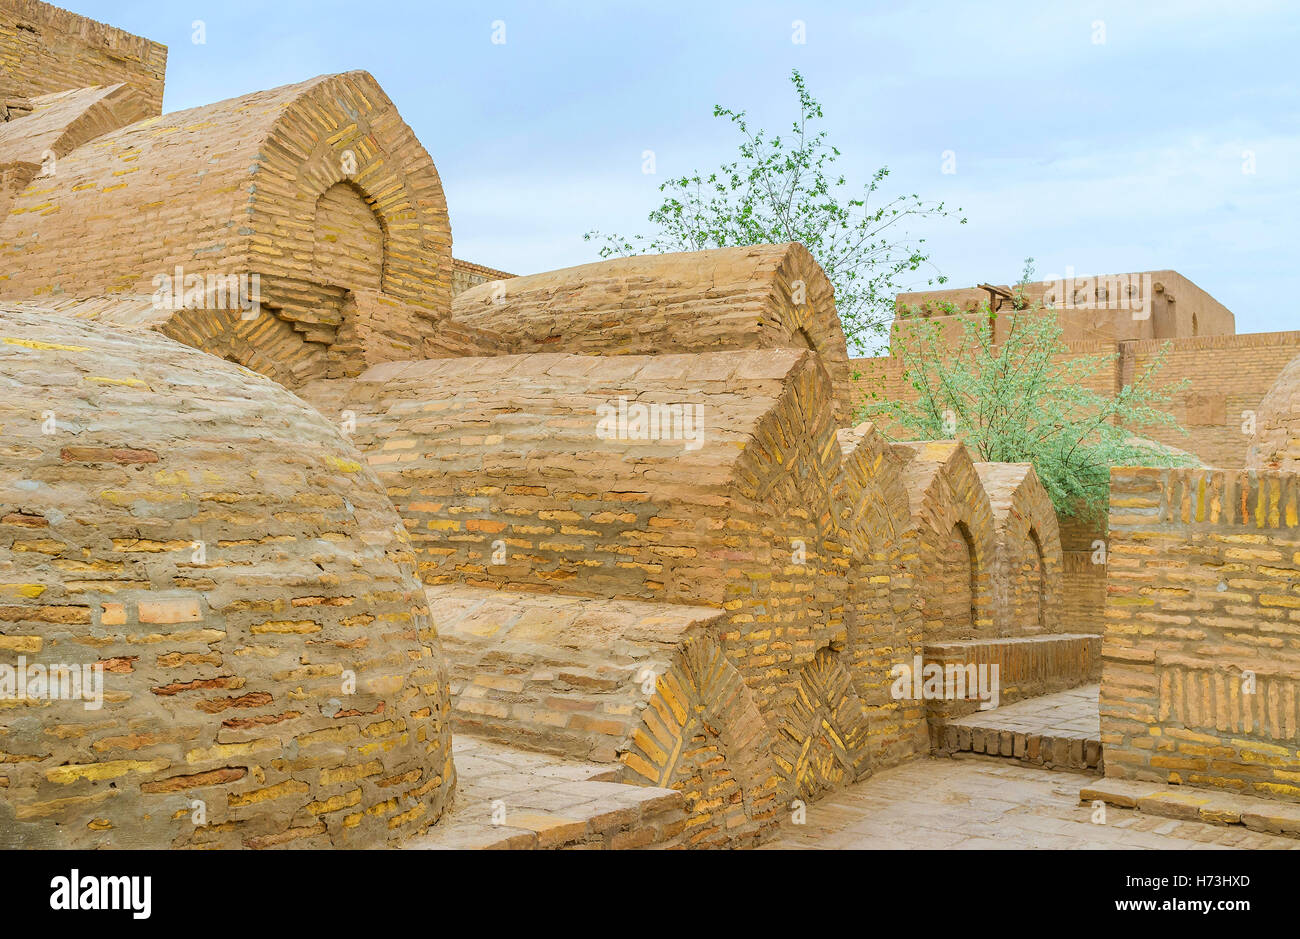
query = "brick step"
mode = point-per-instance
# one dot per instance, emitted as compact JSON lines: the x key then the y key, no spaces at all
{"x":1079,"y":754}
{"x":512,"y":799}
{"x":557,"y":674}
{"x":1189,"y":803}
{"x":1056,"y":731}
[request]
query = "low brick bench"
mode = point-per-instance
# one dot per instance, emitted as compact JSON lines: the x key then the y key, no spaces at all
{"x":1027,"y":667}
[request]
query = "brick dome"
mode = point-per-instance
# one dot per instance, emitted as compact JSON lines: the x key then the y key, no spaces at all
{"x":1276,"y":444}
{"x":270,"y":672}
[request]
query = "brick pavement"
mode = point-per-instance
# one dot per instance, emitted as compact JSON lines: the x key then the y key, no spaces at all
{"x":1059,"y":730}
{"x":519,"y":800}
{"x":981,"y":802}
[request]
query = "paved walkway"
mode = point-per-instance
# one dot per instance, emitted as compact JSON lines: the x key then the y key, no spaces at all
{"x":515,"y":799}
{"x":1071,"y":713}
{"x":983,"y":802}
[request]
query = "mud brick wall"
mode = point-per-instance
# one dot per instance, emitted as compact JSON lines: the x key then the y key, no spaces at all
{"x":467,"y":274}
{"x":754,"y":297}
{"x":45,"y":49}
{"x":505,"y":456}
{"x":1201,"y":658}
{"x":1027,"y":666}
{"x":642,"y":686}
{"x":1276,"y":444}
{"x":704,"y":732}
{"x":505,"y":485}
{"x":883,"y":375}
{"x":293,"y":184}
{"x":1176,"y":306}
{"x":1027,"y":564}
{"x":559,"y":674}
{"x":883,"y":614}
{"x":1083,"y":573}
{"x":51,"y":126}
{"x":956,"y":540}
{"x":238,"y":573}
{"x":1228,"y":376}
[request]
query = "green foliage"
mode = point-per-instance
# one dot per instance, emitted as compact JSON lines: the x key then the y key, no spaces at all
{"x":784,"y":189}
{"x":1024,"y":399}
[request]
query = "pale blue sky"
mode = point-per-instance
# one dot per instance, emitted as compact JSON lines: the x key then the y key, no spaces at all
{"x":1124,"y":155}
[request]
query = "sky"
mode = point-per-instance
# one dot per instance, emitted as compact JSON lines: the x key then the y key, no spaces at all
{"x":1102,"y":137}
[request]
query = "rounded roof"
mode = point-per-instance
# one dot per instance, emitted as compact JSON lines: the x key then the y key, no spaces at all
{"x":746,"y":297}
{"x":235,"y":189}
{"x":633,"y":449}
{"x":221,"y":556}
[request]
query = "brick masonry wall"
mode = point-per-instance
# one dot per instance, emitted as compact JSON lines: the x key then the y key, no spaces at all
{"x":1276,"y":444}
{"x":641,"y":685}
{"x":560,"y":674}
{"x":1229,"y":377}
{"x":753,"y":297}
{"x":466,"y":274}
{"x":1202,"y":645}
{"x":45,"y":49}
{"x":768,"y":575}
{"x":883,"y":376}
{"x":246,"y":587}
{"x":48,"y":127}
{"x":883,"y":612}
{"x":505,"y":485}
{"x":956,"y":541}
{"x":1084,"y":553}
{"x":1103,"y":307}
{"x":1027,"y":666}
{"x":128,"y":210}
{"x":505,"y":456}
{"x":1026,"y":574}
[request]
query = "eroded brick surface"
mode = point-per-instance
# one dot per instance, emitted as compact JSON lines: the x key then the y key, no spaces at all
{"x":271,"y":674}
{"x":703,"y":602}
{"x":341,"y":216}
{"x":749,"y":297}
{"x":1276,"y":444}
{"x":44,"y":49}
{"x":1200,"y":662}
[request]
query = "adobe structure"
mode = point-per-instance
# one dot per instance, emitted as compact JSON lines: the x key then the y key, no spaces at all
{"x":1200,"y":695}
{"x":1133,"y":319}
{"x":310,"y":495}
{"x":1199,"y":585}
{"x":312,"y":535}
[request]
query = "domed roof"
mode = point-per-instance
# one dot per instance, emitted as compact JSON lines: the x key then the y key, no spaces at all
{"x":217,"y":554}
